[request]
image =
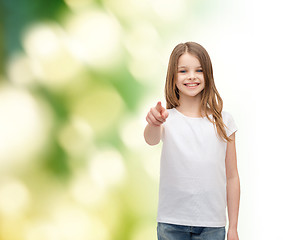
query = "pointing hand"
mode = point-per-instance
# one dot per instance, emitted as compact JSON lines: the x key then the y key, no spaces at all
{"x":157,"y":115}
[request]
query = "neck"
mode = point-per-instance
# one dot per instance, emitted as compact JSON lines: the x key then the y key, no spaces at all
{"x":190,"y":105}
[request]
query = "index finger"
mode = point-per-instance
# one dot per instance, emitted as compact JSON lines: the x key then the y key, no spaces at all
{"x":159,"y":107}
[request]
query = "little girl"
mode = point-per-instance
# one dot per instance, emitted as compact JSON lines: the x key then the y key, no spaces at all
{"x":198,"y":165}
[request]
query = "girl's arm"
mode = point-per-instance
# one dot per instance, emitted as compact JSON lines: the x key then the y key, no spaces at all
{"x":152,"y":134}
{"x":233,"y":188}
{"x":155,"y":118}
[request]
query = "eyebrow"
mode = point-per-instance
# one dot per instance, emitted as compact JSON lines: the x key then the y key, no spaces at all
{"x":186,"y":66}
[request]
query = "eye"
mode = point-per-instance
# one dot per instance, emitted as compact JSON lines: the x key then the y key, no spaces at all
{"x":182,"y":71}
{"x":200,"y":70}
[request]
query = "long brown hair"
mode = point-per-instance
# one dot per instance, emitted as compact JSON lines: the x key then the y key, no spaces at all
{"x":209,"y":93}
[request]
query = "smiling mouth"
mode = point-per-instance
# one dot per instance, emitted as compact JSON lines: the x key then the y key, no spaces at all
{"x":191,"y":85}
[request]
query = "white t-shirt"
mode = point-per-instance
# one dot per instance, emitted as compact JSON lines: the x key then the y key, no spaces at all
{"x":192,"y":187}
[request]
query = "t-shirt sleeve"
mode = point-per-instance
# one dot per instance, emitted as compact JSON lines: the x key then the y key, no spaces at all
{"x":231,"y":125}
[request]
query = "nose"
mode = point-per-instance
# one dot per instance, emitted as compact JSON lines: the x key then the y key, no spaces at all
{"x":191,"y":75}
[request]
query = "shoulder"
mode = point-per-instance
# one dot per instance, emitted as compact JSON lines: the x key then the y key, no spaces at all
{"x":229,"y":121}
{"x":170,"y":111}
{"x":228,"y":118}
{"x":170,"y":119}
{"x":226,"y":115}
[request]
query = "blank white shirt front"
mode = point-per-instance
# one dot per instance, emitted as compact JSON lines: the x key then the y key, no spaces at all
{"x":192,"y":187}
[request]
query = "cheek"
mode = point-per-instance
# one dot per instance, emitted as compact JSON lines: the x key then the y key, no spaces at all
{"x":180,"y":79}
{"x":201,"y":75}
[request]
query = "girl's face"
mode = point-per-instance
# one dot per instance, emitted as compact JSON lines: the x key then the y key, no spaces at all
{"x":189,"y":71}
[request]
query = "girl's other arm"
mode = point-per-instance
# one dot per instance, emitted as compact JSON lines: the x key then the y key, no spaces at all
{"x":233,"y":188}
{"x":155,"y":118}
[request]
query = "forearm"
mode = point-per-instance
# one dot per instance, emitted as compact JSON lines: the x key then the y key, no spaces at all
{"x":233,"y":200}
{"x":152,"y":134}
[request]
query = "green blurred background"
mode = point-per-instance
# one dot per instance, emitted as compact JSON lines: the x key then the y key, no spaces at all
{"x":77,"y":79}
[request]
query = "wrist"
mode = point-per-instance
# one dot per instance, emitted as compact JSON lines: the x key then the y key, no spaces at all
{"x":153,"y":125}
{"x":233,"y":228}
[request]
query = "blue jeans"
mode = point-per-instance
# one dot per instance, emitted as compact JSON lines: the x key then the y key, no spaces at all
{"x":168,"y":231}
